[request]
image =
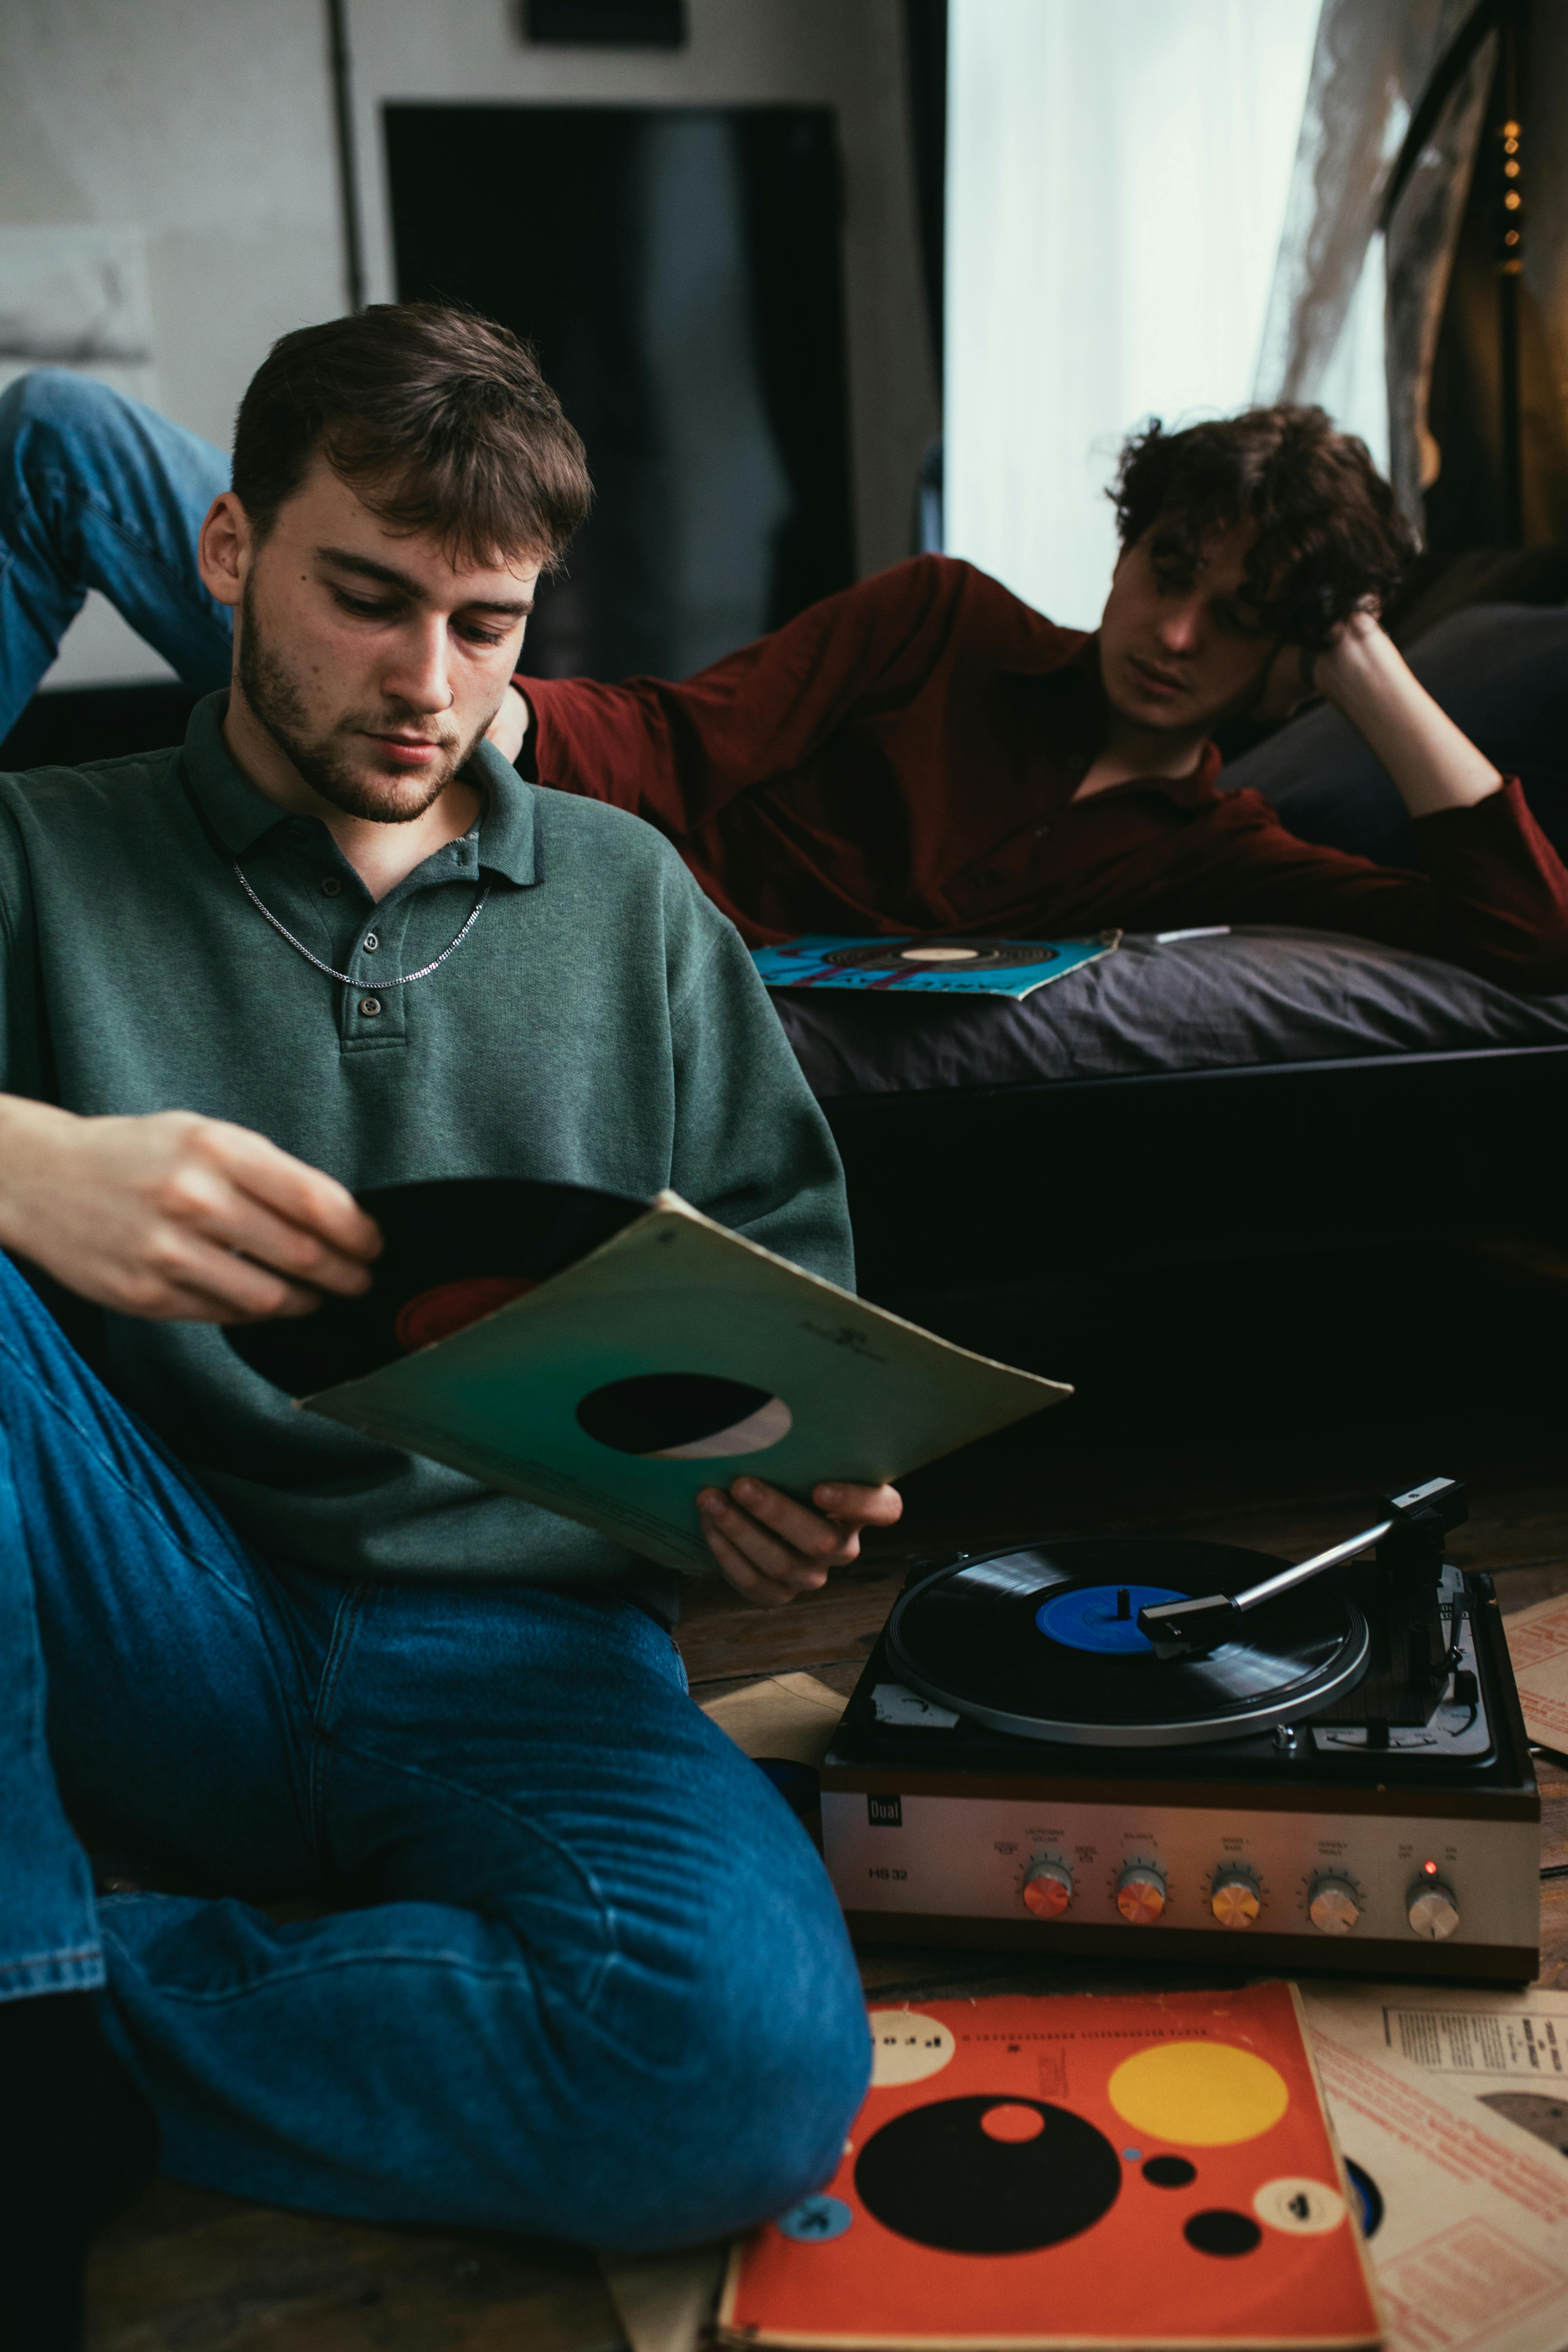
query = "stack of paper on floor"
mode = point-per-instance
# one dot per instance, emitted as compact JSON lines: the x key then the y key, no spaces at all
{"x":1451,"y":2108}
{"x":1538,"y":1647}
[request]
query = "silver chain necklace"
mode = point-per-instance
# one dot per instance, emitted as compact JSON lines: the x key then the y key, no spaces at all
{"x":347,"y":977}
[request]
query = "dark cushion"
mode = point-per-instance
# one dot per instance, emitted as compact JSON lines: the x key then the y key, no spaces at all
{"x":1499,"y":670}
{"x":1248,"y":996}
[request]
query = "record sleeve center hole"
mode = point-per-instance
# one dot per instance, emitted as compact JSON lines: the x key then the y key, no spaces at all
{"x":683,"y":1417}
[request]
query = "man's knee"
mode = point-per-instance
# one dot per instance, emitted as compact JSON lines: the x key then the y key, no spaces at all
{"x":754,"y":2061}
{"x":53,"y":408}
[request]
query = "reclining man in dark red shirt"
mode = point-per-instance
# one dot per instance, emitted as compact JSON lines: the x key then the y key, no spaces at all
{"x":924,"y":752}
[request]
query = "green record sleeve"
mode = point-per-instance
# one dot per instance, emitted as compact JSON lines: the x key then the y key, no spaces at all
{"x":843,"y":1389}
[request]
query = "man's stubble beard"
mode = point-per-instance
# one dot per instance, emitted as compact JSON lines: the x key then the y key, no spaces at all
{"x":276,"y":700}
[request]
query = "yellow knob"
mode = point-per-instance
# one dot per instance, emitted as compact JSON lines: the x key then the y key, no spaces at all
{"x":1234,"y":1900}
{"x":1140,"y":1895}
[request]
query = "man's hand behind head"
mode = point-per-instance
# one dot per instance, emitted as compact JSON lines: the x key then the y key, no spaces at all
{"x":1297,"y":673}
{"x":174,"y":1217}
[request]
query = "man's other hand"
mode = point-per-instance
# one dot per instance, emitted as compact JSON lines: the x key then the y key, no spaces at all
{"x":175,"y":1217}
{"x":1362,"y":673}
{"x":1296,"y":674}
{"x":508,"y":729}
{"x":771,"y":1548}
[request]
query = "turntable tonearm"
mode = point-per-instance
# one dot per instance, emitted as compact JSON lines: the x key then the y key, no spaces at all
{"x":1068,"y":1745}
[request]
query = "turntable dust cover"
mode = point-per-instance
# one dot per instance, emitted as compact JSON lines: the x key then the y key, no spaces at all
{"x":676,"y":1356}
{"x":1152,"y":2171}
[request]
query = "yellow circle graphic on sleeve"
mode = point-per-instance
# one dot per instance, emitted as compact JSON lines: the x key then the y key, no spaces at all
{"x":1199,"y":2093}
{"x":907,"y":2047}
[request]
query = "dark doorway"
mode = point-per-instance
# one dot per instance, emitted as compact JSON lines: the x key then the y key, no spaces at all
{"x":678,"y":272}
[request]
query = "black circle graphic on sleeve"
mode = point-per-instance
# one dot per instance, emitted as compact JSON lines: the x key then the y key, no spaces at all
{"x":684,"y":1415}
{"x":1170,"y":2171}
{"x":1221,"y":2232}
{"x":935,"y":2175}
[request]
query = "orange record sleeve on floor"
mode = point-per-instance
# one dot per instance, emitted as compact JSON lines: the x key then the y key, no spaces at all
{"x":1152,"y":2171}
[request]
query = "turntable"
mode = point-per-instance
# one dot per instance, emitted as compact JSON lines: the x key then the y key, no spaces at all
{"x":1106,"y":1745}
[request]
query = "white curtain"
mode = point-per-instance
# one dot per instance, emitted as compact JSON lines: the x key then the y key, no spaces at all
{"x":1116,"y":187}
{"x":1354,"y":317}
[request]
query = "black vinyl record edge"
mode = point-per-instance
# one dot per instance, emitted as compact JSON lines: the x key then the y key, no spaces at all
{"x":436,"y":1232}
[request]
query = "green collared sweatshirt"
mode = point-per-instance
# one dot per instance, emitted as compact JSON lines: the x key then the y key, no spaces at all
{"x":601,"y":1024}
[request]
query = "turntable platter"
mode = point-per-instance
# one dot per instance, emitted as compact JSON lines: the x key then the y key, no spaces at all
{"x":1044,"y":1643}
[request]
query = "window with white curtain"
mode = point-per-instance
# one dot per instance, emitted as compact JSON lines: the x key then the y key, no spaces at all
{"x":1116,"y":182}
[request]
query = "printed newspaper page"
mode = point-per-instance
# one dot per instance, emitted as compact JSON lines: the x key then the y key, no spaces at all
{"x":1451,"y":2108}
{"x":1537,"y":1645}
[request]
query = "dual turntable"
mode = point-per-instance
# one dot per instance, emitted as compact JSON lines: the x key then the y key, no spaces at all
{"x":1077,"y":1745}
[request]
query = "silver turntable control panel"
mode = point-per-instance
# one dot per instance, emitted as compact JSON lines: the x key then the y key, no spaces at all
{"x":1145,"y":1868}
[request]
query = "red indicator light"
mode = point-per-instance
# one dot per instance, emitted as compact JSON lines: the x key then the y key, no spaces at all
{"x":1429,"y":1869}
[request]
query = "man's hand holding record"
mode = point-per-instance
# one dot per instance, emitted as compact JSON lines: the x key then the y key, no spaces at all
{"x":770,"y":1546}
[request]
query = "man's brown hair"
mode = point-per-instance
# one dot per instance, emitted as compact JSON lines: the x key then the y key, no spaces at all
{"x":440,"y":419}
{"x":1330,"y":539}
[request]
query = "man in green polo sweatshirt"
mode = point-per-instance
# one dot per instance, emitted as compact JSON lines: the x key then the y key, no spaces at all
{"x":593,"y":1982}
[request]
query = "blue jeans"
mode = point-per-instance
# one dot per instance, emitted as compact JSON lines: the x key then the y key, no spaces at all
{"x":589,"y":1979}
{"x":97,"y":491}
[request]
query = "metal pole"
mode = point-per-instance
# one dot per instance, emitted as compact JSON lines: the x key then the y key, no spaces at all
{"x":343,"y":126}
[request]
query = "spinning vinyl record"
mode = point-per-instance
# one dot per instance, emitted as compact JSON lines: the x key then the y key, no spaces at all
{"x":1044,"y":1643}
{"x":455,"y":1251}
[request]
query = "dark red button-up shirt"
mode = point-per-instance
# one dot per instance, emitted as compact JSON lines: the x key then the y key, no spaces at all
{"x":904,"y":756}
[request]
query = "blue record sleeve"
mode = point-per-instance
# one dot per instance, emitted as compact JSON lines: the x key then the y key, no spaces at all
{"x":926,"y":965}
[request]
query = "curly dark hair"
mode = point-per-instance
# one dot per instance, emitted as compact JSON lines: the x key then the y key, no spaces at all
{"x":1329,"y":535}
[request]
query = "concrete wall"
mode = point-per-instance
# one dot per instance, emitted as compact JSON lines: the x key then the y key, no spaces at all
{"x":205,"y":126}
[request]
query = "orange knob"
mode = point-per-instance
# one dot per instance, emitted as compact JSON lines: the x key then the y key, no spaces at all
{"x":1140,"y":1894}
{"x":1234,"y":1898}
{"x":1047,"y":1889}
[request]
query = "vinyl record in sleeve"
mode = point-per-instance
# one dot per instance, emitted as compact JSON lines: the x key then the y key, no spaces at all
{"x":455,"y":1251}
